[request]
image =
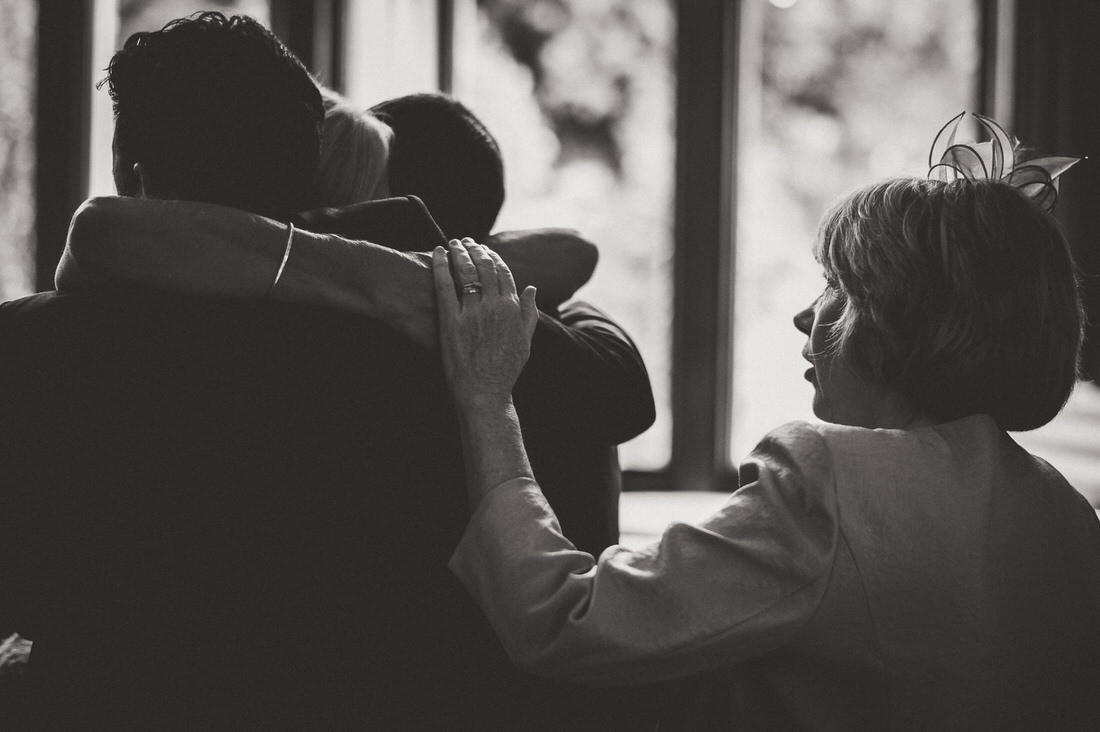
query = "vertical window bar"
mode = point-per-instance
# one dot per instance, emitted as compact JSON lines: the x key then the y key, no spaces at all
{"x":64,"y":57}
{"x":703,"y":270}
{"x":328,"y":46}
{"x":445,"y":27}
{"x":313,"y":30}
{"x":292,"y":22}
{"x":995,"y":77}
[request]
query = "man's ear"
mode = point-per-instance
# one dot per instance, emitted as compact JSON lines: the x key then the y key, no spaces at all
{"x":126,"y":178}
{"x":139,"y":174}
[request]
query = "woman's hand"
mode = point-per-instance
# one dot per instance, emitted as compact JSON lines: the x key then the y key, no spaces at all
{"x":484,"y":327}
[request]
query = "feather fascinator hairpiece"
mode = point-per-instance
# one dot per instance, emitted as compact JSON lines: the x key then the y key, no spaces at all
{"x":1000,"y":158}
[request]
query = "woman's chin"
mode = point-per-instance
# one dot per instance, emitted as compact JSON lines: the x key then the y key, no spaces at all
{"x":818,"y":408}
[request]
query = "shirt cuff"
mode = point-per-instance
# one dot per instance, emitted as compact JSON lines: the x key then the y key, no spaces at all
{"x":507,"y":519}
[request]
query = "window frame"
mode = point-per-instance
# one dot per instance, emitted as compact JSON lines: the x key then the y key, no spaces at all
{"x":703,"y":246}
{"x":62,"y":120}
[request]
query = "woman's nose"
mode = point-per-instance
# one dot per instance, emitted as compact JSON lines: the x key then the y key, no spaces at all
{"x":804,"y":321}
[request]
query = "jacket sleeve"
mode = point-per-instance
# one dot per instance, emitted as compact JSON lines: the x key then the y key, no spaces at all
{"x":402,"y":223}
{"x":739,"y":584}
{"x":586,"y":374}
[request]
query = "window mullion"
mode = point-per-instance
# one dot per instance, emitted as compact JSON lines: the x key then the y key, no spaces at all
{"x":703,"y":271}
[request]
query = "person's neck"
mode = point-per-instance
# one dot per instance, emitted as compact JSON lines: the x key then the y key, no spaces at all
{"x":894,"y":412}
{"x":880,"y":407}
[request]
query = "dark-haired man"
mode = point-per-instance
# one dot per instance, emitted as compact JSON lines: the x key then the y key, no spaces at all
{"x":215,"y":109}
{"x":445,"y":156}
{"x":215,"y":507}
{"x":132,"y":424}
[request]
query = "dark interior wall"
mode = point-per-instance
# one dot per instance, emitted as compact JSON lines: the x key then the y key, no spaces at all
{"x":1058,"y":111}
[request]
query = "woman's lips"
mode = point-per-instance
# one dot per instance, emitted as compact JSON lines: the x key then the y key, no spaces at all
{"x":809,"y":375}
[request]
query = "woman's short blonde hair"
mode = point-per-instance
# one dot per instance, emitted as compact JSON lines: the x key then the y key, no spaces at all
{"x":354,"y":155}
{"x":962,"y":296}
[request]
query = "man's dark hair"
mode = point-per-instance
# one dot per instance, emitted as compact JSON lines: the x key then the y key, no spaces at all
{"x":216,"y":109}
{"x":445,"y":156}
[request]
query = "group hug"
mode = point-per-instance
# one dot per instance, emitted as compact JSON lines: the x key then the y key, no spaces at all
{"x":300,"y":441}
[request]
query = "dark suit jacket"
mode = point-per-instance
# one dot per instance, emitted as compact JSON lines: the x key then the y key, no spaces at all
{"x":222,"y":514}
{"x":235,"y":510}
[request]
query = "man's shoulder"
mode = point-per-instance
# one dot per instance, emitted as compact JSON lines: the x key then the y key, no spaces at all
{"x":33,"y":304}
{"x":126,"y":367}
{"x":106,"y":336}
{"x":116,"y":309}
{"x":53,"y":305}
{"x":44,"y":319}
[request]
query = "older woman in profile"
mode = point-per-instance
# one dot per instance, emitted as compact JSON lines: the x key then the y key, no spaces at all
{"x":905,"y":565}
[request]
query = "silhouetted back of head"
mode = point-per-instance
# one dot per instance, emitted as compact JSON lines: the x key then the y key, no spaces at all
{"x":444,"y":155}
{"x":216,"y":109}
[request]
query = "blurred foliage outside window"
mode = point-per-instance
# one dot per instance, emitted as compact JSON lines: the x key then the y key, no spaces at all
{"x":580,"y":95}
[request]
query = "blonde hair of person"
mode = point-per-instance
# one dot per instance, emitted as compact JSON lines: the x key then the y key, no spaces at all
{"x":354,"y":155}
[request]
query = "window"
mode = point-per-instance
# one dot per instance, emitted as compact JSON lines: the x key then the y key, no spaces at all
{"x":17,"y":148}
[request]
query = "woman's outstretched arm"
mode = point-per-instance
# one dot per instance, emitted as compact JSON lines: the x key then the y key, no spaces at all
{"x":739,"y":585}
{"x":209,"y":250}
{"x":485,"y":331}
{"x":205,"y":249}
{"x":557,"y":261}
